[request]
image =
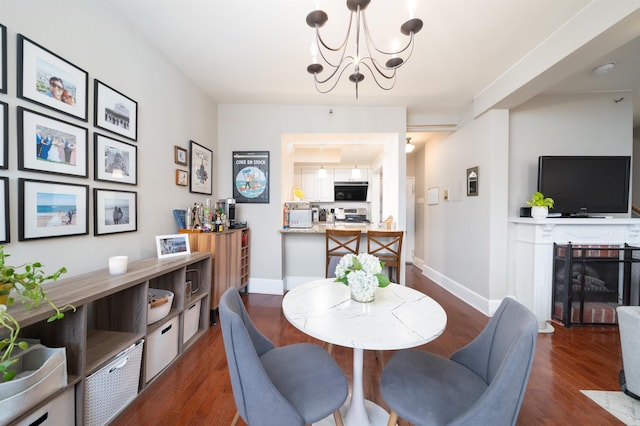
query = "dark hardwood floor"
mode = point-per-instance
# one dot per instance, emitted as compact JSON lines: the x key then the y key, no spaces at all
{"x":196,"y":389}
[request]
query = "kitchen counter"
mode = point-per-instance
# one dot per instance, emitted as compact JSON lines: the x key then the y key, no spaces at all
{"x":320,"y":228}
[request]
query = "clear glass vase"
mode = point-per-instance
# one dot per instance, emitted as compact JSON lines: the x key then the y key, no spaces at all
{"x":363,"y":295}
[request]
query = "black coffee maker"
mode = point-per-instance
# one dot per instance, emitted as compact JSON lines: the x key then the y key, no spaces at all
{"x":231,"y":211}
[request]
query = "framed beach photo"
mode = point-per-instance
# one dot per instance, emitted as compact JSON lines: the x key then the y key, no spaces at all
{"x":49,"y":145}
{"x":51,"y":209}
{"x":4,"y":210}
{"x":172,"y":245}
{"x":3,"y":59}
{"x":51,"y":81}
{"x":115,"y":112}
{"x":114,"y":211}
{"x":115,"y":161}
{"x":201,"y":169}
{"x":4,"y":135}
{"x":180,"y":155}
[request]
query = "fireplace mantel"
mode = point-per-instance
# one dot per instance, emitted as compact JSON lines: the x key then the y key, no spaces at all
{"x":532,"y":255}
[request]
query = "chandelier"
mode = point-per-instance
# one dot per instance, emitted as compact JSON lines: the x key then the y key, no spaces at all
{"x":338,"y":60}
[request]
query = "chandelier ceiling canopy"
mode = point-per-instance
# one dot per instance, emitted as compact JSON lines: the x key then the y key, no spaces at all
{"x":359,"y":56}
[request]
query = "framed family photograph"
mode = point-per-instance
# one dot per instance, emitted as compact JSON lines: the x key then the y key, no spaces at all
{"x":201,"y":169}
{"x":251,"y":176}
{"x":115,"y":112}
{"x":50,"y":80}
{"x":51,"y":209}
{"x":3,"y":59}
{"x":49,"y":145}
{"x":115,"y":161}
{"x":4,"y":210}
{"x":180,"y":155}
{"x":172,"y":245}
{"x":4,"y":135}
{"x":182,"y":177}
{"x":114,"y":211}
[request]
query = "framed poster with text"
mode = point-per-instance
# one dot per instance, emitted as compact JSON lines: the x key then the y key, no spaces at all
{"x":251,"y":176}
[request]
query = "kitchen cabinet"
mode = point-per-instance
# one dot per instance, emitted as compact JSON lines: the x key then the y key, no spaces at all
{"x":344,"y":174}
{"x":315,"y":188}
{"x":110,"y":316}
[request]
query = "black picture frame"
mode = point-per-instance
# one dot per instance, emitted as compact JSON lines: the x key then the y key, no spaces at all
{"x":51,"y":81}
{"x":114,"y":161}
{"x":3,"y":59}
{"x":115,"y":211}
{"x":49,"y":145}
{"x":251,"y":176}
{"x":201,"y":169}
{"x":51,"y":209}
{"x":114,"y":111}
{"x":5,"y":229}
{"x":4,"y":135}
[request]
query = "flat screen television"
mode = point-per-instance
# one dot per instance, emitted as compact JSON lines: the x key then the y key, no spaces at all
{"x":583,"y":186}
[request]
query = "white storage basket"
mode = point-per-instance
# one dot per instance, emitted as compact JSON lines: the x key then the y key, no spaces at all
{"x":191,"y":321}
{"x":162,"y":348}
{"x":111,"y":388}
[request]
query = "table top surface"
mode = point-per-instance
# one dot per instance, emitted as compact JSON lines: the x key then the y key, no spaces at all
{"x":399,"y":317}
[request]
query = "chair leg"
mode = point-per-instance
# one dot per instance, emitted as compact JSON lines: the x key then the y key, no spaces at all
{"x":338,"y":417}
{"x":235,"y":419}
{"x":393,"y":418}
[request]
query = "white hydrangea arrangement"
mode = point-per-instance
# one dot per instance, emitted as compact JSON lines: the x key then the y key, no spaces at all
{"x":362,"y":273}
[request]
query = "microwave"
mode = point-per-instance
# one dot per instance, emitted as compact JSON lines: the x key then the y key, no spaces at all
{"x":300,"y":219}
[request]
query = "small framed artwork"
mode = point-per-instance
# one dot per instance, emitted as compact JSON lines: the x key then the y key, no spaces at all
{"x":114,"y":211}
{"x":49,"y":145}
{"x":4,"y":210}
{"x":49,"y":80}
{"x":51,"y":209}
{"x":115,"y":112}
{"x":4,"y":135}
{"x":251,"y":176}
{"x":180,"y":155}
{"x":172,"y":245}
{"x":115,"y":161}
{"x":472,"y":182}
{"x":182,"y":177}
{"x":3,"y":59}
{"x":201,"y":169}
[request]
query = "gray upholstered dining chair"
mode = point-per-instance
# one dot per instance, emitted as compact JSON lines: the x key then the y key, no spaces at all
{"x":290,"y":385}
{"x":483,"y":383}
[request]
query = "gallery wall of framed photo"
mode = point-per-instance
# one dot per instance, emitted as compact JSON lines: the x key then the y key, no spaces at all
{"x":50,"y":207}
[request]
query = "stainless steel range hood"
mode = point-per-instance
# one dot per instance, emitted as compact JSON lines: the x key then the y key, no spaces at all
{"x":350,"y":191}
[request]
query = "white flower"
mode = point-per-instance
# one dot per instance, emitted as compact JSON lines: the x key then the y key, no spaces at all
{"x":370,"y":263}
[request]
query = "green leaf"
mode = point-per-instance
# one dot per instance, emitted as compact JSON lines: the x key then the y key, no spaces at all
{"x":23,"y":345}
{"x":383,"y":280}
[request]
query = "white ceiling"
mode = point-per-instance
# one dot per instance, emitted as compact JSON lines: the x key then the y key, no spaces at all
{"x":257,"y":51}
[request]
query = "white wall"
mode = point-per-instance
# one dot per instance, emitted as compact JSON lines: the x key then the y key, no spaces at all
{"x":260,"y":127}
{"x":171,"y":111}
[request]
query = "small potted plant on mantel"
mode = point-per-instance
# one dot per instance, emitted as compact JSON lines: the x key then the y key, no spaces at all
{"x":540,"y":205}
{"x":21,"y":285}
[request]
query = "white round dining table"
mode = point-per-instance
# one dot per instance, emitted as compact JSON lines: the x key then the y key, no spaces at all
{"x":399,"y":318}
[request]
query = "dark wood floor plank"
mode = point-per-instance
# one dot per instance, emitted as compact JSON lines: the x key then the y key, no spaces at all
{"x":196,"y":390}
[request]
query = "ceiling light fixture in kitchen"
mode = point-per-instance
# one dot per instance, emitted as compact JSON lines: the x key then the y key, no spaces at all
{"x":409,"y":147}
{"x":322,"y":173}
{"x":382,"y":67}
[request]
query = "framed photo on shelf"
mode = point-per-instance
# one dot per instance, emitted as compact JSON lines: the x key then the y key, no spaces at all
{"x":181,"y":155}
{"x":115,"y":161}
{"x":4,"y":210}
{"x":172,"y":245}
{"x":51,"y":81}
{"x":200,"y":169}
{"x":114,"y":211}
{"x":49,"y":145}
{"x":4,"y":135}
{"x":251,"y":176}
{"x":51,"y":209}
{"x":115,"y":112}
{"x":182,"y":177}
{"x":3,"y":59}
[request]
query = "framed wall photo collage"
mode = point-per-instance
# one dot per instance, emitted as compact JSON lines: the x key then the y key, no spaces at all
{"x":50,"y":145}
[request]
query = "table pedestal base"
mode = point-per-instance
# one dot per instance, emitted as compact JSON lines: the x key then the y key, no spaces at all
{"x":377,"y":415}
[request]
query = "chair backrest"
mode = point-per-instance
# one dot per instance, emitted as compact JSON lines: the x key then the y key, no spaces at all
{"x":338,"y":243}
{"x":387,"y":246}
{"x":256,"y":398}
{"x":502,"y":354}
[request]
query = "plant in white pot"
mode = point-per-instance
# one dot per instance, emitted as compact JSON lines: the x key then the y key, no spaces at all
{"x":540,"y":205}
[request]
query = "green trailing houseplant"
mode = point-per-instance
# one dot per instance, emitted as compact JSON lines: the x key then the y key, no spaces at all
{"x":21,"y":285}
{"x":539,"y":200}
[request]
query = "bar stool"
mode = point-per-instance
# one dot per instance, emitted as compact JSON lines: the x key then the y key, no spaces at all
{"x":338,"y":243}
{"x":387,"y":246}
